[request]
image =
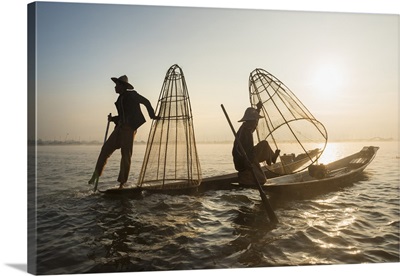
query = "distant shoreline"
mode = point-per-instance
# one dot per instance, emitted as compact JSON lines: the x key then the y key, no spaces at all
{"x":72,"y":142}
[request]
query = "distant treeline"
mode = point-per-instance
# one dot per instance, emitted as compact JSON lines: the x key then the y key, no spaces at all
{"x":41,"y":142}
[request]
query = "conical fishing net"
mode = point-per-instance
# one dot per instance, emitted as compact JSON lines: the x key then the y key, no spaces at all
{"x":171,"y":159}
{"x":287,"y":124}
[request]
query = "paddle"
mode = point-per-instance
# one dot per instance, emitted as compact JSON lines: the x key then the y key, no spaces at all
{"x":105,"y":139}
{"x":267,"y":205}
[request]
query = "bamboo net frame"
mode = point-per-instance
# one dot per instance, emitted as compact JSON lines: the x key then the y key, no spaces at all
{"x":171,"y":159}
{"x":287,"y":124}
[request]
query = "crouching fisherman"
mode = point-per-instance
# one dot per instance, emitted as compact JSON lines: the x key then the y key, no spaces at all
{"x":261,"y":152}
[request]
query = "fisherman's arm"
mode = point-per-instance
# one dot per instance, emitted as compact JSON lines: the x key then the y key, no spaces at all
{"x":148,"y":106}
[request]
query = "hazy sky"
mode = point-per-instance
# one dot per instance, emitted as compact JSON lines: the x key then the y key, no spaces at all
{"x":344,"y":67}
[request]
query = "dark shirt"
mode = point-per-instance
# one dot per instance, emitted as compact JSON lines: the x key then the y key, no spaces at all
{"x":129,"y":112}
{"x":245,"y":136}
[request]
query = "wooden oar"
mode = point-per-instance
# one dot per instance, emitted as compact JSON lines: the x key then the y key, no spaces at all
{"x":105,"y":139}
{"x":267,"y":205}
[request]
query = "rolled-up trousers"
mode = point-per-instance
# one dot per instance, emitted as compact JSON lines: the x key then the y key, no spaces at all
{"x":121,"y":138}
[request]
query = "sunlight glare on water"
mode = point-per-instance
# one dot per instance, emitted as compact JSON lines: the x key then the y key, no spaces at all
{"x":83,"y":232}
{"x":331,"y":153}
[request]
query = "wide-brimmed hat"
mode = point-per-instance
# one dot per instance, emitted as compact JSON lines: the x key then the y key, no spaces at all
{"x":124,"y":80}
{"x":251,"y":114}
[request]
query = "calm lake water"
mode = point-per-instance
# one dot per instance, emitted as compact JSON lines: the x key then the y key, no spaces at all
{"x":83,"y":232}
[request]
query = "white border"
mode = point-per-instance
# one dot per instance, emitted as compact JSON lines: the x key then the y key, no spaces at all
{"x":14,"y":131}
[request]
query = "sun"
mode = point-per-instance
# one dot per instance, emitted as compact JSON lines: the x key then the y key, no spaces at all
{"x":328,"y":80}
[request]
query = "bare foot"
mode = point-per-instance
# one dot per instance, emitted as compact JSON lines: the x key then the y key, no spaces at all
{"x":94,"y":177}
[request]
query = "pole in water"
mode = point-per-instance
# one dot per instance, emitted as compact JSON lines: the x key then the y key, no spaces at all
{"x":96,"y":182}
{"x":267,"y":205}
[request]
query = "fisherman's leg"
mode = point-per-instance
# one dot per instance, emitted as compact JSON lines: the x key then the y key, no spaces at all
{"x":106,"y":150}
{"x":127,"y":138}
{"x":263,"y":152}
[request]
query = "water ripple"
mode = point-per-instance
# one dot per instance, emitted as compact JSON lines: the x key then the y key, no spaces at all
{"x":82,"y":232}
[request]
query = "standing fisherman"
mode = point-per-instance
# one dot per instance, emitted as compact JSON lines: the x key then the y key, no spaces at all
{"x":129,"y":119}
{"x":256,"y":154}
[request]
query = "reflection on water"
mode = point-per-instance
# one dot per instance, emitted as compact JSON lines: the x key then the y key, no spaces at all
{"x":82,"y":232}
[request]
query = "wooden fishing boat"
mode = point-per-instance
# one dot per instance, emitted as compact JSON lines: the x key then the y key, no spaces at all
{"x":221,"y":182}
{"x":322,"y":178}
{"x":318,"y":178}
{"x":288,"y":165}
